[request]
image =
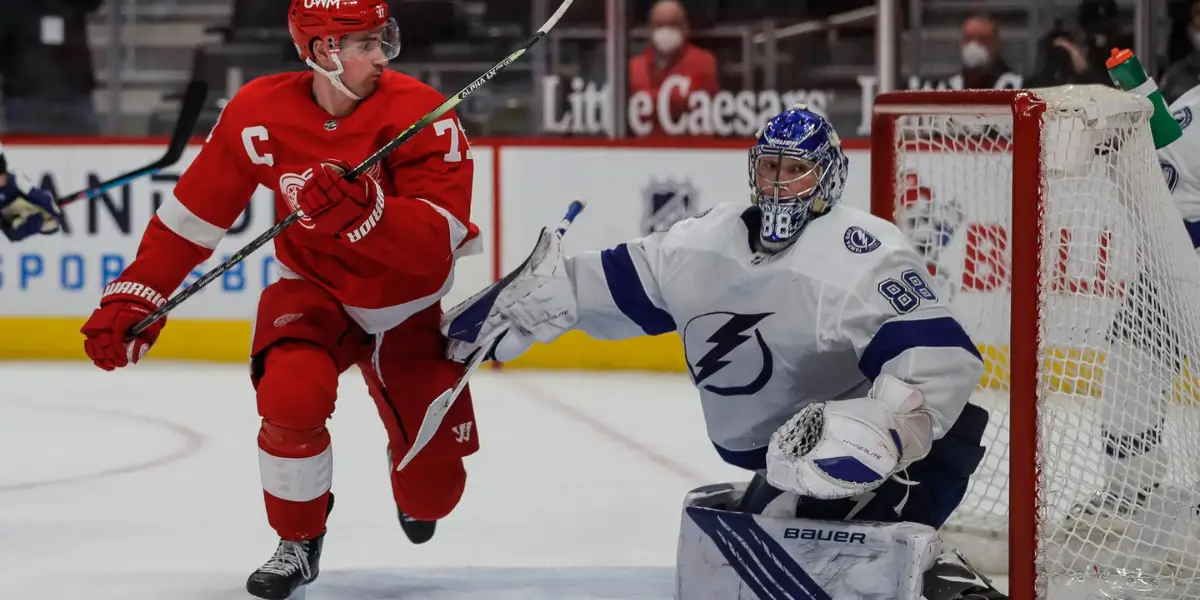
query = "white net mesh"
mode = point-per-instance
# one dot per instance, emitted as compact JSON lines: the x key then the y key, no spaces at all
{"x":1118,"y":402}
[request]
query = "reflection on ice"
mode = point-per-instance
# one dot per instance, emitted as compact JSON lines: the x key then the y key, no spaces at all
{"x":464,"y":583}
{"x":497,"y":584}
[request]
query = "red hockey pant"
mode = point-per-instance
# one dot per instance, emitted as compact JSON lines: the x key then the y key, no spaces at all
{"x":303,"y":340}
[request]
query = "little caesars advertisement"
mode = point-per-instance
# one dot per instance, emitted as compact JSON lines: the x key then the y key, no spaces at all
{"x":585,"y":108}
{"x":588,"y":108}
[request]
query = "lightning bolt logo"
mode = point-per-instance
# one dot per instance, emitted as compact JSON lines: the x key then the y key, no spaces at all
{"x":727,"y":338}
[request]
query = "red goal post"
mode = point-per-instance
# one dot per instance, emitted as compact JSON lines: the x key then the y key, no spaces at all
{"x":1049,"y":228}
{"x":1027,"y":112}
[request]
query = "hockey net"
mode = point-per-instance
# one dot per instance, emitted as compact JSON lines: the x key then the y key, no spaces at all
{"x":1044,"y":216}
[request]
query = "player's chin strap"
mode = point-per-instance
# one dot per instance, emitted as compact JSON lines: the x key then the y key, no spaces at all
{"x":334,"y":77}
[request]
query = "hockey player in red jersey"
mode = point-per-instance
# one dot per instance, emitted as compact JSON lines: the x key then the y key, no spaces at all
{"x":362,"y":272}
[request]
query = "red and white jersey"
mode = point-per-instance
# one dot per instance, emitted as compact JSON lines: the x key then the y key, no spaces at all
{"x":272,"y":133}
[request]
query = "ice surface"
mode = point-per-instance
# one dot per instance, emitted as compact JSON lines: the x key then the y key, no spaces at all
{"x":143,"y":484}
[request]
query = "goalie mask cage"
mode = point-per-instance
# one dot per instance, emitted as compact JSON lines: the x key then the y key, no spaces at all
{"x":1045,"y":217}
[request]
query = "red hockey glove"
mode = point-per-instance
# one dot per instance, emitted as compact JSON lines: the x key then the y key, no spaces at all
{"x":123,"y":304}
{"x":338,"y":207}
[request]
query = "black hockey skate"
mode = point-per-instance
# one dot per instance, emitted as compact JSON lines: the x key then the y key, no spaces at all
{"x":418,"y":532}
{"x":952,"y":578}
{"x":294,"y":565}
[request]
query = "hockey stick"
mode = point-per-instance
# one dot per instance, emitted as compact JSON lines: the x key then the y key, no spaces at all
{"x":439,"y":407}
{"x":189,"y":114}
{"x":351,"y":175}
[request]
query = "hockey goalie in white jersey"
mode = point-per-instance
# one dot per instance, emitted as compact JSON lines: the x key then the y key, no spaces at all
{"x":825,"y":362}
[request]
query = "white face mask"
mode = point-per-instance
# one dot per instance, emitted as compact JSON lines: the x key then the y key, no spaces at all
{"x":975,"y":55}
{"x":667,"y":39}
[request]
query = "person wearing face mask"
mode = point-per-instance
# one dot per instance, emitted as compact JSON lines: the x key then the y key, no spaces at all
{"x":1184,"y":74}
{"x":1100,"y":21}
{"x":1062,"y":60}
{"x":982,"y":64}
{"x":669,"y":54}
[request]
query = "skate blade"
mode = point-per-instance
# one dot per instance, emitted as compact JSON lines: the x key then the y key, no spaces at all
{"x":301,"y":593}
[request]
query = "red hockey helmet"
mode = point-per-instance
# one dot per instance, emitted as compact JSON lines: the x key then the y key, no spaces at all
{"x":331,"y":19}
{"x":310,"y":20}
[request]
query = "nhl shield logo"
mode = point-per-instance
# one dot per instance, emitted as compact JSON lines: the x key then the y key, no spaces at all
{"x":667,"y":203}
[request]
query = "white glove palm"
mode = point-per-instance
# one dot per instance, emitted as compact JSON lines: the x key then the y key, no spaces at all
{"x":843,"y":448}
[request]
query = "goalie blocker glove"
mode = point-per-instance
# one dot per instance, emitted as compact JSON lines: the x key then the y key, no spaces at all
{"x":25,"y":210}
{"x":536,"y":301}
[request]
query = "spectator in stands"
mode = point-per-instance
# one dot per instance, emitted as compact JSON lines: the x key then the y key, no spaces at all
{"x":1179,"y":43}
{"x":1075,"y":53}
{"x":47,"y":67}
{"x":1184,"y":74}
{"x":671,"y":54}
{"x":1061,"y":60}
{"x":1102,"y":32}
{"x":982,"y":64}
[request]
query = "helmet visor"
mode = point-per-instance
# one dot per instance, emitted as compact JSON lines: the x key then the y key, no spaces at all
{"x":383,"y":42}
{"x":777,"y":176}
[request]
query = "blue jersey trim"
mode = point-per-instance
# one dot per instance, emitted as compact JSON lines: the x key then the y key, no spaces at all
{"x":629,"y":295}
{"x":1193,"y":230}
{"x":896,"y":337}
{"x":751,"y":460}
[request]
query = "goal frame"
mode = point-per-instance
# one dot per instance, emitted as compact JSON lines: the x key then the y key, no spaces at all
{"x":1028,"y":184}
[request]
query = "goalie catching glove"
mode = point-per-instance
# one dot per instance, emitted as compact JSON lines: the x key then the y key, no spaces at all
{"x":536,"y":302}
{"x":842,"y":448}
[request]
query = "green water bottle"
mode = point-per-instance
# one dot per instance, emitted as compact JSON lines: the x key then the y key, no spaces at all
{"x":1127,"y":73}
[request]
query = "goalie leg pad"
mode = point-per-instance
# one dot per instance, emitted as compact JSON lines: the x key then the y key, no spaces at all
{"x":729,"y":555}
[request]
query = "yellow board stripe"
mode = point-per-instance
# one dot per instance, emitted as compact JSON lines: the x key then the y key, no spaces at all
{"x":1076,"y":371}
{"x":42,"y":338}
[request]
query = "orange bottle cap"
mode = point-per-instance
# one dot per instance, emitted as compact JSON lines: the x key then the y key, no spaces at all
{"x":1118,"y":56}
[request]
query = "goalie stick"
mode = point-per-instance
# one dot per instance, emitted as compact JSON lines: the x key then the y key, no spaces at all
{"x":439,"y":407}
{"x":351,"y":175}
{"x":189,"y":114}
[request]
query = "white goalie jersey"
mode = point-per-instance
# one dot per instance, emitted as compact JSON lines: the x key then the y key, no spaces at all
{"x":1180,"y":162}
{"x":765,"y":335}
